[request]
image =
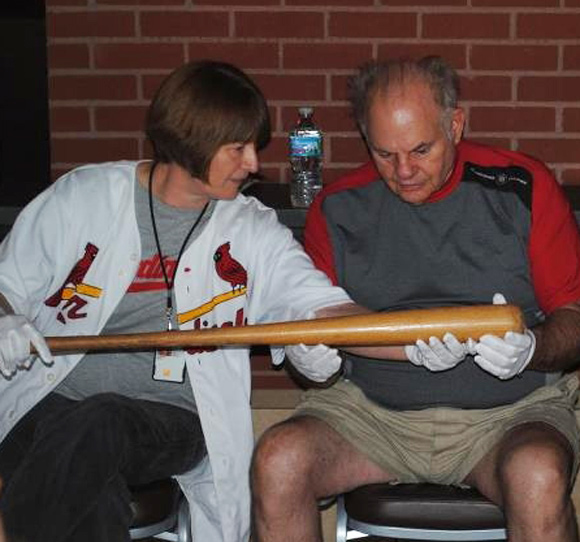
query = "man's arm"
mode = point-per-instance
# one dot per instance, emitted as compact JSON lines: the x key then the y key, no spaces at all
{"x":558,"y":340}
{"x":379,"y":352}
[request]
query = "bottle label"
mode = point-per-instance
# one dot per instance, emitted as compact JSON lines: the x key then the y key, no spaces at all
{"x":306,"y":145}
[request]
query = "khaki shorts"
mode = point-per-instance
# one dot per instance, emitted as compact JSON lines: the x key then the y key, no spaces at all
{"x":440,"y":445}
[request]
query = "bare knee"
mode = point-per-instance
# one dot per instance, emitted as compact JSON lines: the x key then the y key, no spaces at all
{"x":536,"y":469}
{"x":282,"y":455}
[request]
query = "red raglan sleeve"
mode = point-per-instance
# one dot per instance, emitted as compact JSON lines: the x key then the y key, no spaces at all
{"x":317,"y":240}
{"x":554,"y":245}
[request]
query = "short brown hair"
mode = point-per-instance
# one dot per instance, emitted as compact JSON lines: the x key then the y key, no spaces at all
{"x":201,"y":106}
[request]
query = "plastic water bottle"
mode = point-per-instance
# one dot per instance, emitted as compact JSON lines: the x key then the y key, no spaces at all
{"x":305,"y":152}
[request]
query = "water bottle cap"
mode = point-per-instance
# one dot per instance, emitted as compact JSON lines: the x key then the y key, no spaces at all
{"x":305,"y":110}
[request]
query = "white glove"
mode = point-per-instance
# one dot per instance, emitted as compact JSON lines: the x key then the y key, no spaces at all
{"x":16,"y":334}
{"x":437,"y":355}
{"x":507,"y":357}
{"x":317,"y":363}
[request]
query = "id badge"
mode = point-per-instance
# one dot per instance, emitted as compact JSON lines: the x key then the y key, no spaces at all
{"x":169,"y":366}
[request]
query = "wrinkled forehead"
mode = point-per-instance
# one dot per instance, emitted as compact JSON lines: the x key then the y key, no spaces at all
{"x":404,"y":116}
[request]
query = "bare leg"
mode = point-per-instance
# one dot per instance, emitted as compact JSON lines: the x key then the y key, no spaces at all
{"x":528,"y":474}
{"x":295,"y":463}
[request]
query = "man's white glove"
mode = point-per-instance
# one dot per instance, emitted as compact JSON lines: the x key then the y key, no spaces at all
{"x":317,"y":363}
{"x":16,"y":334}
{"x":437,"y":355}
{"x":508,"y":356}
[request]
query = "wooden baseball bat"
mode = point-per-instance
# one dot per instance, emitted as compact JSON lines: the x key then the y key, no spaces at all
{"x":388,"y":328}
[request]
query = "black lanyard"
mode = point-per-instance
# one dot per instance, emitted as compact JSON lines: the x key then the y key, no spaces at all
{"x":169,"y":284}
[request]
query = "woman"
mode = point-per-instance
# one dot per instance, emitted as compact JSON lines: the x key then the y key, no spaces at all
{"x":145,"y":246}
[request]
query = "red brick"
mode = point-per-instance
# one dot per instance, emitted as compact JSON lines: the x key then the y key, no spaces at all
{"x":92,"y":87}
{"x":55,"y":3}
{"x":549,"y":88}
{"x":346,"y":24}
{"x":333,"y":173}
{"x":238,"y":2}
{"x":120,"y":118}
{"x":571,"y":57}
{"x":276,"y":151}
{"x":326,"y":55}
{"x":502,"y":143}
{"x":270,"y":174}
{"x":291,"y":87}
{"x":279,"y":24}
{"x":512,"y":119}
{"x":329,"y":118}
{"x":138,"y":55}
{"x":455,"y":54}
{"x":69,"y":119}
{"x":140,"y":2}
{"x":349,"y":149}
{"x":430,"y":3}
{"x":243,"y":54}
{"x":515,"y":3}
{"x":150,"y":83}
{"x":571,"y":177}
{"x":331,"y":3}
{"x":338,"y":87}
{"x":514,"y":57}
{"x":91,"y":150}
{"x":184,"y":23}
{"x":571,"y":119}
{"x":465,"y":25}
{"x":486,"y":87}
{"x":67,"y":55}
{"x":551,"y":150}
{"x":261,"y":363}
{"x":91,"y":24}
{"x":548,"y":25}
{"x":273,"y":381}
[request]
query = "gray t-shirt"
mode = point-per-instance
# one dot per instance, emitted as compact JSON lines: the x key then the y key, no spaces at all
{"x":142,"y":309}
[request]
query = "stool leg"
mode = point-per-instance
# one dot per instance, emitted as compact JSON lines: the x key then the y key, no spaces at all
{"x":341,"y":520}
{"x":184,"y":522}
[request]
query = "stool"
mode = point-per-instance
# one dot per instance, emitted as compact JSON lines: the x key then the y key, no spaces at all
{"x":160,"y":511}
{"x":418,"y":512}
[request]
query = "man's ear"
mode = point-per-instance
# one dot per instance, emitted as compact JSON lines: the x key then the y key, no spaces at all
{"x":457,"y":124}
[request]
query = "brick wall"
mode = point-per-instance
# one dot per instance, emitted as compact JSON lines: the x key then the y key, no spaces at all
{"x":519,"y":61}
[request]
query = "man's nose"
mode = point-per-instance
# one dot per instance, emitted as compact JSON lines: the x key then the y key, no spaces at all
{"x":405,"y":168}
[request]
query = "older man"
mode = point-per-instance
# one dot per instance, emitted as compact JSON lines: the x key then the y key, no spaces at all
{"x":435,"y":220}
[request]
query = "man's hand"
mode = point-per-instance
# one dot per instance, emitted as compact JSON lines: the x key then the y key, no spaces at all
{"x":508,"y":356}
{"x":317,"y":363}
{"x":16,"y":334}
{"x":437,"y":355}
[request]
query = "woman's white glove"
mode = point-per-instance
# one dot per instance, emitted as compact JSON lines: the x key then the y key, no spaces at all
{"x":508,"y":356}
{"x":438,"y":355}
{"x":317,"y":363}
{"x":16,"y":335}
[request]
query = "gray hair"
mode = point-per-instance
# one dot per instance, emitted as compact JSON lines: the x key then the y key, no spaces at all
{"x":374,"y":77}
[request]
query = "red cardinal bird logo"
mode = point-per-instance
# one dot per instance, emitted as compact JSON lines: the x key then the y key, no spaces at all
{"x":228,"y":268}
{"x":76,"y":276}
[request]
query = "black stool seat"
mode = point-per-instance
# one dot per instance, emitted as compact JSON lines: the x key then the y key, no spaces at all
{"x":423,"y":506}
{"x":155,"y":502}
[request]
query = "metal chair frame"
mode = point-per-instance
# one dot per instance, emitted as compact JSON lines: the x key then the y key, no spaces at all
{"x":351,"y":529}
